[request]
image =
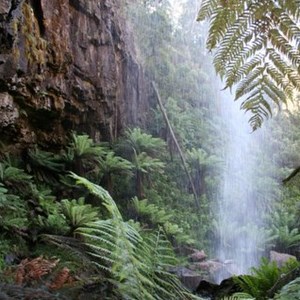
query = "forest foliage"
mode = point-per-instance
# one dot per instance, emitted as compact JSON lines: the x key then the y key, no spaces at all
{"x":124,"y":212}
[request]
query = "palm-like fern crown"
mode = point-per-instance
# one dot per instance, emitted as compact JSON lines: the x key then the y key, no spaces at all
{"x":257,"y":47}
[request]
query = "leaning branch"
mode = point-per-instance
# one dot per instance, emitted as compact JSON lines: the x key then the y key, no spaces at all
{"x":177,"y":145}
{"x":292,"y":175}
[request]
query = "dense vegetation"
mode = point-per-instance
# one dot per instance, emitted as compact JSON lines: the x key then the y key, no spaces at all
{"x":173,"y":55}
{"x":46,"y":207}
{"x":117,"y":218}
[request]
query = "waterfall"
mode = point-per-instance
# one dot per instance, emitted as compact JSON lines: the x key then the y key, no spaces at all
{"x":171,"y":46}
{"x":239,"y":211}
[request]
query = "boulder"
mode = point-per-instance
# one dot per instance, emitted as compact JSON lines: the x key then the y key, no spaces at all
{"x":280,"y":258}
{"x":189,"y":278}
{"x":209,"y":265}
{"x":197,"y":256}
{"x":215,"y":270}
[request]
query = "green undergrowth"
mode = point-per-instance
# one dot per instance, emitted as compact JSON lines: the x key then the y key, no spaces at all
{"x":267,"y":279}
{"x":59,"y":206}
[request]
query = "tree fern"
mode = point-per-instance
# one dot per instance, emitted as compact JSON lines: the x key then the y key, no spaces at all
{"x":110,"y":165}
{"x":256,"y":46}
{"x":143,"y":142}
{"x":46,"y":160}
{"x":284,"y":229}
{"x":10,"y":174}
{"x":45,"y":165}
{"x":156,"y":217}
{"x":137,"y":265}
{"x":83,"y":155}
{"x":16,"y":179}
{"x":77,"y":213}
{"x":13,"y":210}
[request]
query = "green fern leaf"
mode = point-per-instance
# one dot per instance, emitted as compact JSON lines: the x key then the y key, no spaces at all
{"x":258,"y":38}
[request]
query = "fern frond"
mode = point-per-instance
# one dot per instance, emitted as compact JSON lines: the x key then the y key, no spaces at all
{"x":233,"y":41}
{"x":218,"y":25}
{"x":47,"y":160}
{"x":135,"y":263}
{"x":74,"y":247}
{"x":287,"y":25}
{"x":78,"y":213}
{"x":283,"y":45}
{"x":291,"y":291}
{"x":12,"y":174}
{"x":207,"y":9}
{"x":259,"y":35}
{"x":237,"y":69}
{"x":143,"y":142}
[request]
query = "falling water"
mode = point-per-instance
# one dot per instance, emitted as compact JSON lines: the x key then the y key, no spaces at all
{"x":239,"y":213}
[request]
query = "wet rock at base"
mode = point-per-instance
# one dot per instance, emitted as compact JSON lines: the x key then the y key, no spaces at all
{"x":280,"y":258}
{"x":189,"y":278}
{"x":197,"y":255}
{"x":217,"y":291}
{"x":214,"y":269}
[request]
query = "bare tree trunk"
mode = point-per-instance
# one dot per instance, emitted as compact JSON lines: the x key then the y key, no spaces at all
{"x":183,"y":160}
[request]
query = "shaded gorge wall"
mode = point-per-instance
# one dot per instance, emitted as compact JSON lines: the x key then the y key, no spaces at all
{"x":67,"y":65}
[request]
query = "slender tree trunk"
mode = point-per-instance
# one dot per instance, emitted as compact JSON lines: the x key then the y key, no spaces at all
{"x":139,"y":185}
{"x":107,"y":182}
{"x":183,"y":160}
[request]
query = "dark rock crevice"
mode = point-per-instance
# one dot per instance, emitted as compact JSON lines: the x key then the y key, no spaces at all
{"x":38,"y":12}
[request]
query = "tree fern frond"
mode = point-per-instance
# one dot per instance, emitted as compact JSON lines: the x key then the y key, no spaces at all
{"x":77,"y":213}
{"x":232,"y":53}
{"x":287,"y":25}
{"x":276,"y":76}
{"x":135,"y":263}
{"x":274,"y":92}
{"x":143,"y":142}
{"x":237,"y":69}
{"x":207,"y":9}
{"x":252,"y":104}
{"x":245,"y":83}
{"x":72,"y":246}
{"x":260,"y":33}
{"x":247,"y":88}
{"x":291,"y":6}
{"x":101,"y":193}
{"x":231,"y":44}
{"x":289,"y":291}
{"x":280,"y":43}
{"x":234,"y":38}
{"x":220,"y":20}
{"x":277,"y":61}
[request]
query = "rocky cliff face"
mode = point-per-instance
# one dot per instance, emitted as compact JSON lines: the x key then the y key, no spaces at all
{"x":66,"y":65}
